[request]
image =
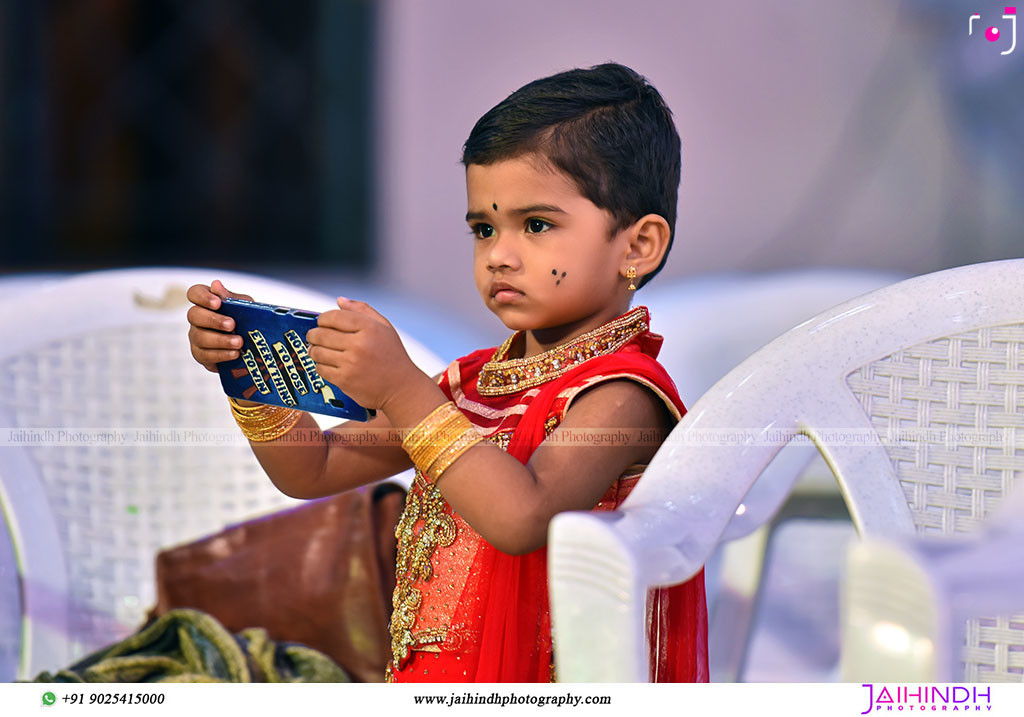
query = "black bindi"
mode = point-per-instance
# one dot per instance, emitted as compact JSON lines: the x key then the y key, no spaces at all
{"x":554,"y":272}
{"x":495,"y":207}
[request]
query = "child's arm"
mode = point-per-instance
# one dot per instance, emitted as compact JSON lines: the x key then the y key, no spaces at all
{"x":508,"y":503}
{"x":310,"y":463}
{"x":298,"y":461}
{"x":563,"y":473}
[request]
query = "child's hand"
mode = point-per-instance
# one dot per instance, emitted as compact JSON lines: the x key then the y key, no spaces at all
{"x":359,"y":351}
{"x":209,"y":332}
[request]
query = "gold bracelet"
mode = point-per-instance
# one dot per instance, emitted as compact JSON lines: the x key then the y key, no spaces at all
{"x":269,"y":431}
{"x":426,"y":449}
{"x":439,"y":439}
{"x":422,"y":428}
{"x":248,"y":409}
{"x":419,"y":438}
{"x":264,"y":423}
{"x":466,"y":440}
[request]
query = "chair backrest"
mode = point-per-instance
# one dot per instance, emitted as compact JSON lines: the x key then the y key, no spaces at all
{"x":15,"y":285}
{"x":886,"y":385}
{"x":713,"y":323}
{"x":116,"y":448}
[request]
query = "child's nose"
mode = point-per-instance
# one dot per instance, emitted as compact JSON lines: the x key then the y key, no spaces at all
{"x":503,"y":252}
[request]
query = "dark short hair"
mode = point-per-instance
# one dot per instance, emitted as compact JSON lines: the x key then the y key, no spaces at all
{"x":606,"y":127}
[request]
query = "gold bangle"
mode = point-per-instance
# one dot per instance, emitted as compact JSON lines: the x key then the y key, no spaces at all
{"x":270,"y":431}
{"x":247,"y":409}
{"x":456,"y":448}
{"x":421,"y":436}
{"x":264,"y":423}
{"x":423,"y":427}
{"x":426,"y":450}
{"x":439,"y":439}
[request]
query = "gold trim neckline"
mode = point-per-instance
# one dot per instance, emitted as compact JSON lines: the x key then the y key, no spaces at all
{"x":501,"y":376}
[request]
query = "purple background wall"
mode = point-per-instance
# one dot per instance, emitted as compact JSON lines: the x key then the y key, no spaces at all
{"x":814,"y":134}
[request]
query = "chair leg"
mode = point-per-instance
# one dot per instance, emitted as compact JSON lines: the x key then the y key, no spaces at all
{"x":743,"y":572}
{"x":733,"y":611}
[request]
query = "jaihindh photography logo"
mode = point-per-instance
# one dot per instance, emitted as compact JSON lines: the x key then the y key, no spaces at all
{"x":995,"y":33}
{"x":926,"y":698}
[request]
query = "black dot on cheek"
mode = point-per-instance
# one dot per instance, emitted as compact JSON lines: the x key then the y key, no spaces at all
{"x":495,"y":207}
{"x":558,"y":282}
{"x":554,"y":272}
{"x":563,"y":274}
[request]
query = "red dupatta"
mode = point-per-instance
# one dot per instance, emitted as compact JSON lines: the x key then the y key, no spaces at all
{"x":512,"y":598}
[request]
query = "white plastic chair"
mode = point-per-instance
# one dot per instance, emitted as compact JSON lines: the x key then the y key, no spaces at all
{"x":108,"y":351}
{"x":938,"y":352}
{"x":14,"y":285}
{"x":710,"y":325}
{"x":905,"y":602}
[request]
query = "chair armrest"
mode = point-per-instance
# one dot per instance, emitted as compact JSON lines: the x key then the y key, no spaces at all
{"x":600,"y":566}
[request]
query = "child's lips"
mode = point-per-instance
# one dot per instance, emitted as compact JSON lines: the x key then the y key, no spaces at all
{"x":505,"y":293}
{"x":507,"y":296}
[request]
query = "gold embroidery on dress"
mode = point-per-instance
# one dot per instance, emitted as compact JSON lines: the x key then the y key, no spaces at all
{"x":414,"y":563}
{"x":502,"y":376}
{"x":501,"y":439}
{"x":415,"y":550}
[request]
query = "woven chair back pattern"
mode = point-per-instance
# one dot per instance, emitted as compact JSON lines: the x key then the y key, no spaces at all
{"x":950,"y":413}
{"x":120,"y":499}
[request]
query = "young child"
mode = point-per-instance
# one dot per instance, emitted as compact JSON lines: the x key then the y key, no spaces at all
{"x":571,"y":185}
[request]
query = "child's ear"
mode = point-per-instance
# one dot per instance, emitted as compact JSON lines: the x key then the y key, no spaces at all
{"x":648,"y":241}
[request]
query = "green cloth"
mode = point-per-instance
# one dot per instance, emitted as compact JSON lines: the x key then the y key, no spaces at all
{"x":190,"y":646}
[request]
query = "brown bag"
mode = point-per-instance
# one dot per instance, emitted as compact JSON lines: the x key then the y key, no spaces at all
{"x":320,"y":574}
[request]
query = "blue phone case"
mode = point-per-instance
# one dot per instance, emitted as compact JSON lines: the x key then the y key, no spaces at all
{"x":274,"y":366}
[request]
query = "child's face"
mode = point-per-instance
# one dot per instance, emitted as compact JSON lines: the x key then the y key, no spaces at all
{"x":542,"y":253}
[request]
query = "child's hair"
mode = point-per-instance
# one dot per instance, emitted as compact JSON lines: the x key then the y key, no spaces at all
{"x":607,"y":128}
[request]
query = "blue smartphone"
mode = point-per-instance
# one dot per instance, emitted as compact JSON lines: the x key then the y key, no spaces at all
{"x":274,"y":366}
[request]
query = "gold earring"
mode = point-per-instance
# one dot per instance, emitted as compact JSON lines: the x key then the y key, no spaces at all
{"x":631,"y":275}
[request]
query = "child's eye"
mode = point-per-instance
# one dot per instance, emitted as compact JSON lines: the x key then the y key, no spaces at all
{"x":482,"y":231}
{"x":536,"y":226}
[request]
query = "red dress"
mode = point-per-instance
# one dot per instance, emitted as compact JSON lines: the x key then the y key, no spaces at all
{"x":467,"y":612}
